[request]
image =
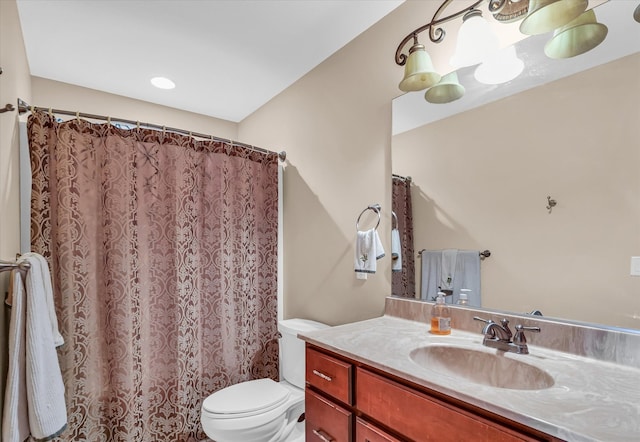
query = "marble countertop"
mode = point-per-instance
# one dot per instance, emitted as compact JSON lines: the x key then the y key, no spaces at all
{"x":590,"y":400}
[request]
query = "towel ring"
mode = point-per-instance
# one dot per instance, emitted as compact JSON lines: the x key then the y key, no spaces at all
{"x":375,"y":208}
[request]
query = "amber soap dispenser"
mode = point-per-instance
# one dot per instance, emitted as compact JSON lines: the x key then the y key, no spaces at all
{"x":440,"y":317}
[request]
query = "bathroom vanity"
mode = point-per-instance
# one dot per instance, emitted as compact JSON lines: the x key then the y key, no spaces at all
{"x":347,"y":400}
{"x":388,"y":379}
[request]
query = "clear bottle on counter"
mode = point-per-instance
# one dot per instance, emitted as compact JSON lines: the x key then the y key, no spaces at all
{"x":463,"y":297}
{"x":440,"y":317}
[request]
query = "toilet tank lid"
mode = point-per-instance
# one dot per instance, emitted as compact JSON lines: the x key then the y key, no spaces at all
{"x":296,"y":325}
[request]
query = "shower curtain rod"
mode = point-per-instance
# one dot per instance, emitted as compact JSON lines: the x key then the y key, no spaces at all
{"x":403,"y":178}
{"x":24,"y":107}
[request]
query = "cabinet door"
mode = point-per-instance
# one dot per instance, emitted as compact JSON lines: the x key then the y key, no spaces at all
{"x":324,"y":420}
{"x":421,"y":418}
{"x":329,"y":375}
{"x":367,"y":432}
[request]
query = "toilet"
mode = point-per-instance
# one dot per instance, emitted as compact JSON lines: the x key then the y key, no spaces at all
{"x":263,"y":410}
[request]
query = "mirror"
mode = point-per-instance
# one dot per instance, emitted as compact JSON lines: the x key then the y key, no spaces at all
{"x":483,"y":174}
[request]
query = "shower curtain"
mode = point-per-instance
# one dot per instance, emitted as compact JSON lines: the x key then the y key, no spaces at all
{"x":403,"y":283}
{"x":163,"y":251}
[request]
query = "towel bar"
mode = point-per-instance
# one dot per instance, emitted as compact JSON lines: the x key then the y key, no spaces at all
{"x":376,"y":208}
{"x":6,"y":266}
{"x":484,"y":254}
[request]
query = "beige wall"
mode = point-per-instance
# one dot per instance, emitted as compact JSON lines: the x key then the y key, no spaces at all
{"x":14,"y":83}
{"x":481,"y":181}
{"x":49,"y":93}
{"x":335,"y":124}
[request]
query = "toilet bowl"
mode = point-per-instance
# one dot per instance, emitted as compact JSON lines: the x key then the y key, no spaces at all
{"x":263,"y":410}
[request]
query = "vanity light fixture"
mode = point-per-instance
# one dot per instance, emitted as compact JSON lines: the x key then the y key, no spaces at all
{"x":162,"y":83}
{"x":576,"y":32}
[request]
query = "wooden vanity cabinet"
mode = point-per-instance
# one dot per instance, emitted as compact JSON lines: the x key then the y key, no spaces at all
{"x":367,"y":432}
{"x":349,"y":401}
{"x":328,"y":398}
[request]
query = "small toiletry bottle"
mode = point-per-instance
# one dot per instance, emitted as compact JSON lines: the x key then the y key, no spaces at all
{"x":440,"y":317}
{"x":463,"y":298}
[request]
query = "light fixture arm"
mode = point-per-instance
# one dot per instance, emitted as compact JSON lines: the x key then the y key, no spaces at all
{"x":436,"y":33}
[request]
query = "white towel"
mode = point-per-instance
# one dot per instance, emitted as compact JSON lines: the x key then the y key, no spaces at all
{"x":467,"y":275}
{"x":368,"y":250}
{"x":396,"y":251}
{"x":47,"y":411}
{"x":448,"y":270}
{"x":431,"y":263}
{"x":15,"y":419}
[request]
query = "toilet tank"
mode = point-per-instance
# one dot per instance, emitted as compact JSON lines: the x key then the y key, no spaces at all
{"x":292,"y":348}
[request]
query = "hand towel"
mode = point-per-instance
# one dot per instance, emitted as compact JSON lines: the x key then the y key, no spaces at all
{"x":431,"y":263}
{"x":15,"y":418}
{"x":396,"y":251}
{"x":467,"y":275}
{"x":45,"y":388}
{"x":368,"y":250}
{"x":448,"y":269}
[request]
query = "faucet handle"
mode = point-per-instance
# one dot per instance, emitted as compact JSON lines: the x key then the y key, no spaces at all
{"x":486,"y":321}
{"x":505,"y":325}
{"x":519,"y":338}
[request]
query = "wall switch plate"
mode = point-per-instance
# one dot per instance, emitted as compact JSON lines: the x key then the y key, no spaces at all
{"x":635,"y":266}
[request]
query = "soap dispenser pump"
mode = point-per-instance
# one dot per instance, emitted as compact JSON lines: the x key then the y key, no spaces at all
{"x":440,"y":317}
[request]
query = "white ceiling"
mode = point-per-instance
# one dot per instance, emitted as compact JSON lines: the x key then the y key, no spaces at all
{"x":227,"y":58}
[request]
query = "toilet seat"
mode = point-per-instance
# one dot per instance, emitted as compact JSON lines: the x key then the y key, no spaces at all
{"x":246,"y":399}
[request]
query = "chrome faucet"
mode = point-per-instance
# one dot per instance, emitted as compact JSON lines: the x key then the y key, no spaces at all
{"x":499,"y":336}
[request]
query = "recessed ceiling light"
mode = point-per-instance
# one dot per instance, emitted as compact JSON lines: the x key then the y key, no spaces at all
{"x":162,"y":83}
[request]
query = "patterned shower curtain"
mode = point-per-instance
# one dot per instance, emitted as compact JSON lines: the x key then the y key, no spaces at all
{"x":163,"y":251}
{"x":404,"y":283}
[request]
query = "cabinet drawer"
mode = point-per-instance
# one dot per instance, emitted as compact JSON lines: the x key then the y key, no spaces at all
{"x":421,"y":418}
{"x":324,"y":420}
{"x":330,"y":375}
{"x":367,"y":432}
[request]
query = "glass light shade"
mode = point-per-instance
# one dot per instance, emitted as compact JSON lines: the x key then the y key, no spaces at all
{"x":547,"y":15}
{"x":449,"y":89}
{"x":476,"y":41}
{"x":419,"y":72}
{"x":577,"y":37}
{"x":501,"y":67}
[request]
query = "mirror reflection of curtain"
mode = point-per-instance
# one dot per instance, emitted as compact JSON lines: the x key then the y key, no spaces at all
{"x":403,"y":282}
{"x":163,"y":251}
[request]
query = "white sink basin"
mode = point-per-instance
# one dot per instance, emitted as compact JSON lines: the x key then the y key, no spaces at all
{"x":502,"y":370}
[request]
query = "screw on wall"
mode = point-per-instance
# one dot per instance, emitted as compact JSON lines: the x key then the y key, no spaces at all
{"x":551,"y":203}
